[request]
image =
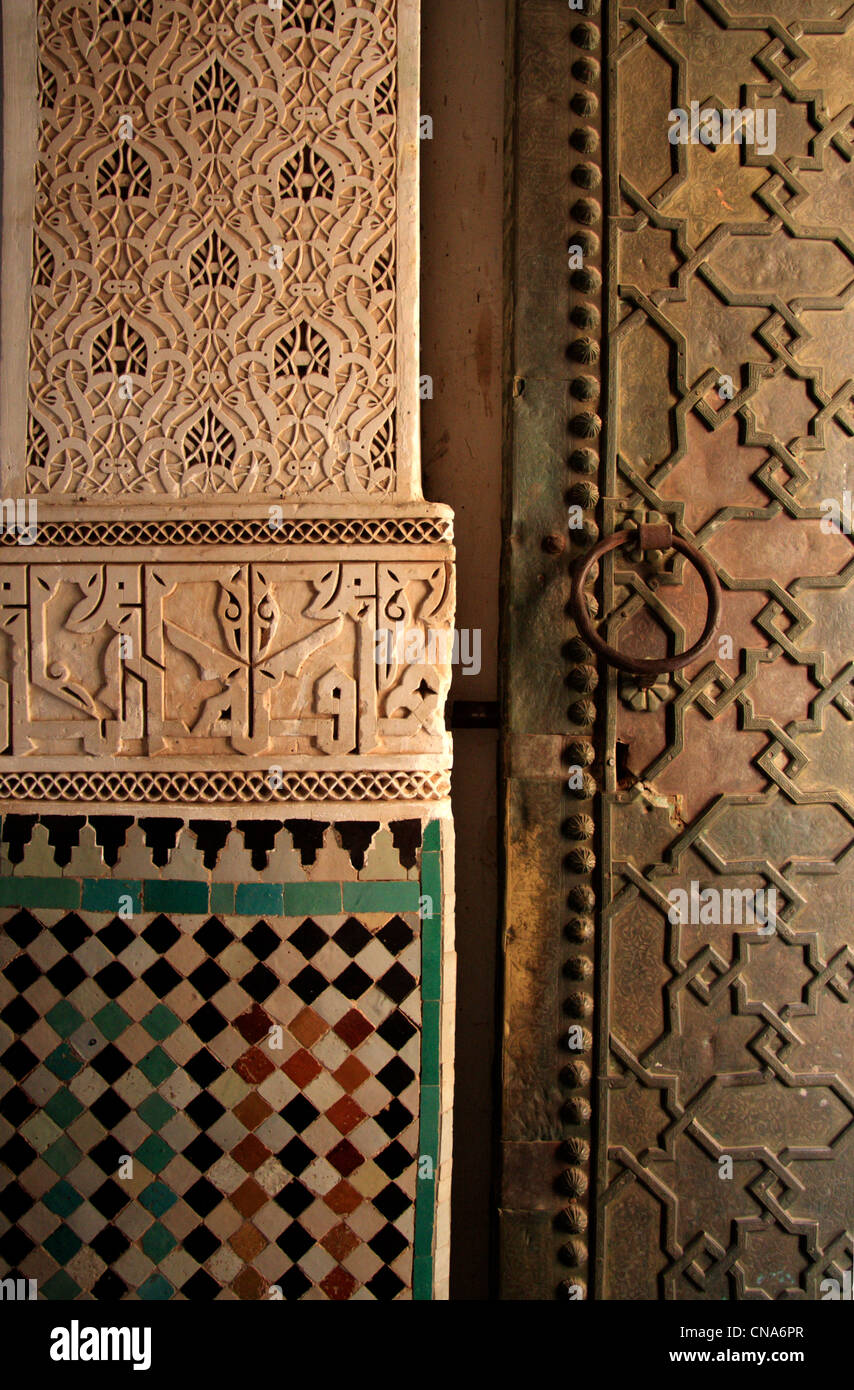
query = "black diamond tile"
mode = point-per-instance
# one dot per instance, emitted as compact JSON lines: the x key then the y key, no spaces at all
{"x":110,"y":1198}
{"x":207,"y":978}
{"x":109,"y":1109}
{"x":201,"y":1244}
{"x":213,"y":937}
{"x":308,"y":938}
{"x":15,"y":1202}
{"x":202,"y":1197}
{"x":16,"y":1107}
{"x":110,"y":1064}
{"x":202,"y":1152}
{"x":394,"y":1118}
{"x":200,"y":1286}
{"x":396,"y":1076}
{"x":22,"y":928}
{"x":353,"y":981}
{"x":67,"y":974}
{"x":116,"y":935}
{"x":110,"y":1287}
{"x":308,"y":984}
{"x":352,"y":937}
{"x":18,"y":1060}
{"x":15,"y":1246}
{"x":161,"y":934}
{"x":395,"y":935}
{"x":17,"y":1154}
{"x":294,"y":1198}
{"x":388,"y":1243}
{"x":295,"y":1156}
{"x":261,"y":940}
{"x":396,"y":1030}
{"x":206,"y":1022}
{"x":19,"y":1015}
{"x":110,"y":1244}
{"x":293,"y":1283}
{"x":393,"y":1160}
{"x":107,"y":1154}
{"x":114,"y":979}
{"x":71,"y":932}
{"x":385,"y":1284}
{"x":392,"y":1202}
{"x":295,"y":1242}
{"x":161,"y":978}
{"x":397,"y":983}
{"x":204,"y":1110}
{"x":204,"y":1068}
{"x":299,"y":1113}
{"x":260,"y":983}
{"x":21,"y":972}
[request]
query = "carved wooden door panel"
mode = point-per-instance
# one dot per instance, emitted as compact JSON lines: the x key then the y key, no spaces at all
{"x":702,"y":1092}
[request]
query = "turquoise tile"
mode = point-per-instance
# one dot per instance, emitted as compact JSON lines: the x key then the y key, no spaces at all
{"x":155,"y":1111}
{"x":62,"y":1156}
{"x":62,"y":1244}
{"x":422,"y":1278}
{"x":157,"y":1198}
{"x":222,"y":897}
{"x":63,"y":1107}
{"x":64,"y":1019}
{"x":430,"y":1042}
{"x":39,"y":892}
{"x":155,"y":1153}
{"x":157,"y":1242}
{"x":175,"y":895}
{"x":160,"y":1022}
{"x":61,"y":1288}
{"x":156,"y":1066}
{"x":311,"y":899}
{"x":381,"y":897}
{"x":103,"y":894}
{"x":156,"y":1289}
{"x":63,"y":1063}
{"x":112,"y":1021}
{"x":62,"y":1199}
{"x":431,"y":883}
{"x":258,"y":897}
{"x":432,"y":836}
{"x":431,"y":958}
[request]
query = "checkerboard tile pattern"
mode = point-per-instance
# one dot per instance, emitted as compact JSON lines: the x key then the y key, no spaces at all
{"x":205,"y":1106}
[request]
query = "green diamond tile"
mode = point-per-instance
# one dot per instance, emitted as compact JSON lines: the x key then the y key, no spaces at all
{"x":104,"y":894}
{"x":156,"y":1289}
{"x":61,"y":1287}
{"x":222,"y":897}
{"x":157,"y":1198}
{"x":62,"y":1156}
{"x":157,"y":1242}
{"x":112,"y":1021}
{"x":62,"y":1244}
{"x":160,"y":1022}
{"x":155,"y":1111}
{"x":155,"y":1153}
{"x":156,"y":1066}
{"x":381,"y":897}
{"x":258,"y":897}
{"x":63,"y":1063}
{"x":175,"y":895}
{"x":62,"y":1199}
{"x":63,"y":1018}
{"x":63,"y":1107}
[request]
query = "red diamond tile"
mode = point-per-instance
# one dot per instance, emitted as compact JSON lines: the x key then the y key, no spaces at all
{"x":249,"y":1198}
{"x":339,"y":1284}
{"x":345,"y":1158}
{"x":353,"y":1028}
{"x":249,"y":1284}
{"x":254,"y":1066}
{"x":255,"y":1024}
{"x":351,"y":1074}
{"x":250,"y":1153}
{"x":308,"y":1027}
{"x":345,"y":1114}
{"x":339,"y":1241}
{"x":343,"y":1198}
{"x":248,"y":1242}
{"x":252,"y":1110}
{"x":301,"y":1067}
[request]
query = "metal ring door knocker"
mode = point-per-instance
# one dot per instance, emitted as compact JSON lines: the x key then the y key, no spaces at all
{"x":650,"y":536}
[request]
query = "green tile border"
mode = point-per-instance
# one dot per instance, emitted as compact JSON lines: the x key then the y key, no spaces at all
{"x":429,"y":1100}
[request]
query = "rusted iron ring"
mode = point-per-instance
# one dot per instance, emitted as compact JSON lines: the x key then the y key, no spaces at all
{"x":657,"y":536}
